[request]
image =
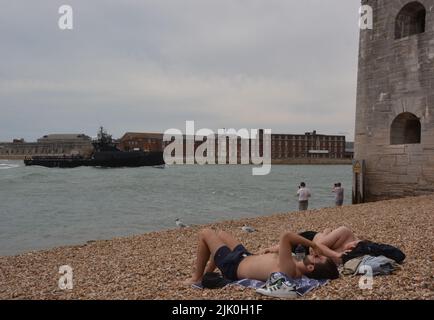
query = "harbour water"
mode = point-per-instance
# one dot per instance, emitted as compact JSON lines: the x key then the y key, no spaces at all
{"x":45,"y":207}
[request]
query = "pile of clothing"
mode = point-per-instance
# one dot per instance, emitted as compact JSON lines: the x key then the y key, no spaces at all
{"x":382,"y":259}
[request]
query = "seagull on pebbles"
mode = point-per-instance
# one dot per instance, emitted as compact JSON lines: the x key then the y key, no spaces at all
{"x":180,"y":224}
{"x":248,"y":229}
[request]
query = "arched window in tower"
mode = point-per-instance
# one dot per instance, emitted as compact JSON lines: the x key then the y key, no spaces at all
{"x":405,"y":129}
{"x":410,"y":20}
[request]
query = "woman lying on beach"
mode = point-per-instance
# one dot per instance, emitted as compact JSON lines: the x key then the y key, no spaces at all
{"x":223,"y":251}
{"x":334,"y":243}
{"x":338,"y":242}
{"x":342,"y":245}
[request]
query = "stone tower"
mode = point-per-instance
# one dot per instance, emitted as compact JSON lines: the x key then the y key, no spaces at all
{"x":395,"y":100}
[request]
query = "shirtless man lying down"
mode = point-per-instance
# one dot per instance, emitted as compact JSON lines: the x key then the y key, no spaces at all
{"x":222,"y":250}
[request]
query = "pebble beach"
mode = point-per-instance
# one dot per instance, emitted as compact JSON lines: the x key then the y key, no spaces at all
{"x":154,"y":265}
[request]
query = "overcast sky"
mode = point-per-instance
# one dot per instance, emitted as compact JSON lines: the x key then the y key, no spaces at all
{"x":150,"y":65}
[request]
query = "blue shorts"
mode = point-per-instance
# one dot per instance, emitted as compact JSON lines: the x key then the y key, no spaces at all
{"x":228,"y":261}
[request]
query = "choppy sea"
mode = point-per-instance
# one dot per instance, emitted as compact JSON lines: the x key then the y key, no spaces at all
{"x":45,"y":207}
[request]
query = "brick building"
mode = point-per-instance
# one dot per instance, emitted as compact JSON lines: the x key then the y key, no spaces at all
{"x":283,"y":146}
{"x":141,"y":141}
{"x":309,"y":145}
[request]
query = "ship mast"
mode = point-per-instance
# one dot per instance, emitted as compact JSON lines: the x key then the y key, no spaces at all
{"x":104,"y":140}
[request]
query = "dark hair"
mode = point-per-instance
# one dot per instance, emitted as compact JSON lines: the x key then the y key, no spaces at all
{"x":309,"y":235}
{"x":303,"y":184}
{"x":324,"y":270}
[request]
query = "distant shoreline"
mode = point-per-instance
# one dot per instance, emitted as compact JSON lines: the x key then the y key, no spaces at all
{"x":314,"y":161}
{"x":297,"y":161}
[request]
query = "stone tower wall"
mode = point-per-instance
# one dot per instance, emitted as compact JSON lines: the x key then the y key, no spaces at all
{"x":395,"y":76}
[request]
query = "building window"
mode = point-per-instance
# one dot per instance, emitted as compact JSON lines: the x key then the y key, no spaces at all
{"x":405,"y":129}
{"x":410,"y":20}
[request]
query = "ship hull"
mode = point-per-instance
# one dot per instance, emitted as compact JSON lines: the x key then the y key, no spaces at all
{"x":101,"y":159}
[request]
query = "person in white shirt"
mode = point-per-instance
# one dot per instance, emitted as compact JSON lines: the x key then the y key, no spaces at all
{"x":303,"y":197}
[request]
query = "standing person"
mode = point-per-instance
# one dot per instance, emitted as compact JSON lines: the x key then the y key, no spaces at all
{"x":339,"y":194}
{"x":303,"y":197}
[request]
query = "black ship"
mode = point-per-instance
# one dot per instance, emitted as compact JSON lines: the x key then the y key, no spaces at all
{"x":105,"y":154}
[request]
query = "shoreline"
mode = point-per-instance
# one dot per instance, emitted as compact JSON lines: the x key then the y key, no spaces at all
{"x":153,"y":265}
{"x":289,"y":161}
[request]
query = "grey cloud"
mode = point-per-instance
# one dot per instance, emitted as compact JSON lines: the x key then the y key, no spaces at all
{"x":151,"y":65}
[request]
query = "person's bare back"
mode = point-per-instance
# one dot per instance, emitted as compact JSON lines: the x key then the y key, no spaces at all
{"x":338,"y":240}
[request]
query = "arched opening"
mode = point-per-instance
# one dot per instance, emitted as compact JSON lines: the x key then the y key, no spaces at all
{"x":405,"y":129}
{"x":410,"y":20}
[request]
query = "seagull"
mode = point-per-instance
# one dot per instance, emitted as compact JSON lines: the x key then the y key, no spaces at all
{"x":248,"y":229}
{"x":180,"y":224}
